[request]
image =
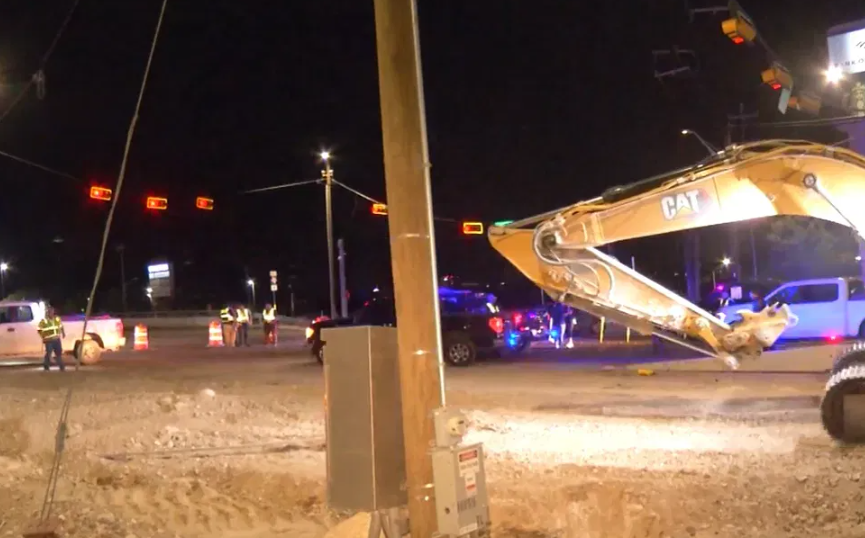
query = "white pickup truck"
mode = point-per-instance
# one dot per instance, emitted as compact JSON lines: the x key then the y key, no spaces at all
{"x":20,"y":340}
{"x":828,"y":308}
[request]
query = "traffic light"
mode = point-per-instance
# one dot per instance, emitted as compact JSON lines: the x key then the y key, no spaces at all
{"x":739,"y":29}
{"x":154,"y":202}
{"x":805,"y":102}
{"x":204,"y":203}
{"x":777,"y":77}
{"x":379,"y":209}
{"x":100,"y":193}
{"x":473,"y":228}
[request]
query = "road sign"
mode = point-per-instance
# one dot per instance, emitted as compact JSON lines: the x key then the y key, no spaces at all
{"x":273,"y":287}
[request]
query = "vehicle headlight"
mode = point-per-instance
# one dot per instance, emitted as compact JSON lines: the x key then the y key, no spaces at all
{"x":309,"y":333}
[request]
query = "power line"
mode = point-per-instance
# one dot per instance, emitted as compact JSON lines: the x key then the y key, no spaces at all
{"x":357,"y":193}
{"x":39,"y":166}
{"x":816,"y":122}
{"x":38,"y":77}
{"x":48,"y":502}
{"x":335,"y":182}
{"x":282,"y":186}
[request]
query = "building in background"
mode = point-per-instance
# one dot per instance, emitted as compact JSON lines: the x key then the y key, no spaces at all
{"x":846,"y":44}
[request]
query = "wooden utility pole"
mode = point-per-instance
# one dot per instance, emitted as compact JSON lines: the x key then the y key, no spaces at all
{"x":410,"y":223}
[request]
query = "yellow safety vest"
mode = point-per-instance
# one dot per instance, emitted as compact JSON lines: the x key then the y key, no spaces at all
{"x":269,"y":315}
{"x":225,"y":315}
{"x":243,"y":315}
{"x":50,"y":329}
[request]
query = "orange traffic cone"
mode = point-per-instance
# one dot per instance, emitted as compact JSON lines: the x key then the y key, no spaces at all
{"x":214,"y":338}
{"x":141,"y":341}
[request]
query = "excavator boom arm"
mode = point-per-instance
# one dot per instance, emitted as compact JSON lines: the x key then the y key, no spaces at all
{"x":558,"y":250}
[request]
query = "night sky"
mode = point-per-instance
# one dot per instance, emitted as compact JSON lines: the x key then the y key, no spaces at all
{"x":530,"y":106}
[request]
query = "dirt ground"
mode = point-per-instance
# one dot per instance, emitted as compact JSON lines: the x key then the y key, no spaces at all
{"x":238,"y":451}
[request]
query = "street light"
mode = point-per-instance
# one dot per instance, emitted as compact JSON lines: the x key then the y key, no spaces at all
{"x":725,"y":261}
{"x":834,"y":74}
{"x":3,"y":268}
{"x":712,"y":149}
{"x":251,"y":284}
{"x":327,"y":175}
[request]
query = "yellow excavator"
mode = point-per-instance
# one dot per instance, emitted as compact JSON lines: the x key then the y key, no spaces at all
{"x":558,"y":250}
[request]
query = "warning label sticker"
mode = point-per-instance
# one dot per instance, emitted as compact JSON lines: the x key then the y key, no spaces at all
{"x":471,"y":485}
{"x":469,"y":462}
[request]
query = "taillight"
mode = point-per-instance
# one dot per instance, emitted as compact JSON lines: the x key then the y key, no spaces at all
{"x":497,"y":325}
{"x":518,"y":319}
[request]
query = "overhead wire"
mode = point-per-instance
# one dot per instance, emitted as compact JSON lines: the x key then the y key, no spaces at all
{"x":38,"y":77}
{"x":373,"y":200}
{"x":282,"y":186}
{"x":815,"y":122}
{"x":48,"y":501}
{"x":39,"y":166}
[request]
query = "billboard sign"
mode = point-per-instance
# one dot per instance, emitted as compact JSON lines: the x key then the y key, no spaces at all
{"x":160,"y":277}
{"x":847,"y":47}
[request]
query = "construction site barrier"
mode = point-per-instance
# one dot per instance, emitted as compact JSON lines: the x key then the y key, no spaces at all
{"x":214,"y":335}
{"x":141,"y":340}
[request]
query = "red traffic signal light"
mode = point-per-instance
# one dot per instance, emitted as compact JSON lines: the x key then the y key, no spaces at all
{"x":739,"y":30}
{"x":204,"y":203}
{"x":379,"y":209}
{"x":100,"y":193}
{"x":777,"y":77}
{"x":154,"y":202}
{"x":473,"y":228}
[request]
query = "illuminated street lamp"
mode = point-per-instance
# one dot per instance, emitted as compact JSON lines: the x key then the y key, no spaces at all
{"x":725,"y":262}
{"x":712,"y":149}
{"x":327,"y":176}
{"x":251,"y":284}
{"x":3,"y":268}
{"x":834,"y":75}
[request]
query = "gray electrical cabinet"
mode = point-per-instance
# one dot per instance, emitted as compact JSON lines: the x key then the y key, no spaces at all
{"x":461,"y":491}
{"x":365,"y":454}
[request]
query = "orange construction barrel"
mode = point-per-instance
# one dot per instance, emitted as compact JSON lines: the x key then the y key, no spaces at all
{"x":140,"y":341}
{"x":214,"y":335}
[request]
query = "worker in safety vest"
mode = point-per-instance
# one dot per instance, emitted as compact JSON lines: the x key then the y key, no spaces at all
{"x":51,"y":330}
{"x":268,"y":316}
{"x":244,"y":318}
{"x":229,"y":325}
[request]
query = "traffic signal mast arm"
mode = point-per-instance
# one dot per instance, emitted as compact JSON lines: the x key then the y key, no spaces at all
{"x":558,"y":250}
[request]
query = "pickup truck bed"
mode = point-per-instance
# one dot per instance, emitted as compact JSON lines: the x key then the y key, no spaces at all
{"x":20,"y":340}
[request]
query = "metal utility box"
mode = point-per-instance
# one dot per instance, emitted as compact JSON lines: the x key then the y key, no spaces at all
{"x":461,"y":491}
{"x":365,"y":454}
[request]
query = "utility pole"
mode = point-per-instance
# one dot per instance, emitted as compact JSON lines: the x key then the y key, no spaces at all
{"x":692,"y":265}
{"x":343,"y":293}
{"x":327,"y":175}
{"x":741,"y":117}
{"x":121,"y":248}
{"x":410,"y":224}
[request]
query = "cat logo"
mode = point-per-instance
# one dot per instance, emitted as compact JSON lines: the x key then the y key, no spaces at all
{"x":685,"y":204}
